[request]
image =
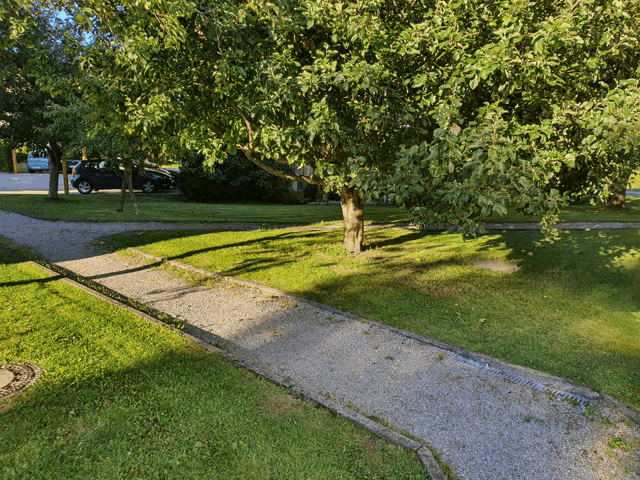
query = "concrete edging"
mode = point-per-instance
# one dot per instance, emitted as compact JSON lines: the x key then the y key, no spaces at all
{"x":582,"y":390}
{"x":424,"y":454}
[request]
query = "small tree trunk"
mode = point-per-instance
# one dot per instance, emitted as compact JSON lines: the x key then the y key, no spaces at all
{"x":54,"y":155}
{"x":619,"y":191}
{"x":353,"y":215}
{"x":123,"y":192}
{"x":128,"y":173}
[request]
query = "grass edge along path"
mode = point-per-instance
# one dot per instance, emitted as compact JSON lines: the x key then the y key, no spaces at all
{"x":115,"y":401}
{"x":572,"y":309}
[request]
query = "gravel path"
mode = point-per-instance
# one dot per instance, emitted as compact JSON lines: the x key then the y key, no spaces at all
{"x":487,"y":419}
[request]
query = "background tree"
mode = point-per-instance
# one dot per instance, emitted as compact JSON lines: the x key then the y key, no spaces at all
{"x":35,"y":73}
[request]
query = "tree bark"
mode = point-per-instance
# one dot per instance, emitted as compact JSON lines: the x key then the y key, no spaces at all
{"x":618,"y":193}
{"x":127,"y":183}
{"x":353,"y":215}
{"x":123,"y":192}
{"x":54,"y":155}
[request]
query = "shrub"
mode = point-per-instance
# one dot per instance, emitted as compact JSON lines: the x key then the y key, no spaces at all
{"x":237,"y":179}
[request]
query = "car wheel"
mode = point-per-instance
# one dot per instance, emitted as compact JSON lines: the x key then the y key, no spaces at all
{"x":84,"y":187}
{"x":148,"y":186}
{"x":29,"y":170}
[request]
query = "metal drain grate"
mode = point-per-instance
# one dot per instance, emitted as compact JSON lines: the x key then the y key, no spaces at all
{"x":583,"y":402}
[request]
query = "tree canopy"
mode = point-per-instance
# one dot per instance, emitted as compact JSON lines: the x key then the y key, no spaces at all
{"x":519,"y":94}
{"x":460,"y":108}
{"x":36,"y":78}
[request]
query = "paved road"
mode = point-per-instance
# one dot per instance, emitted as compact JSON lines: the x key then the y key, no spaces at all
{"x":28,"y":182}
{"x":39,"y":183}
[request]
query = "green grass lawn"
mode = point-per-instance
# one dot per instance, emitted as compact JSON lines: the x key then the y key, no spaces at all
{"x":170,"y":208}
{"x":121,"y":397}
{"x":572,"y":310}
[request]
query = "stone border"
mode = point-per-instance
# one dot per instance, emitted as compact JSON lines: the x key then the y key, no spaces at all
{"x":25,"y":375}
{"x":198,"y":336}
{"x":584,"y":391}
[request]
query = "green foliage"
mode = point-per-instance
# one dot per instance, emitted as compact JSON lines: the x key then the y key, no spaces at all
{"x":516,"y":95}
{"x":458,"y":108}
{"x":236,"y":178}
{"x":300,"y":82}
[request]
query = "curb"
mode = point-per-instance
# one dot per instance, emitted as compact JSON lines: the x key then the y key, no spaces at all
{"x":194,"y":334}
{"x":583,"y":393}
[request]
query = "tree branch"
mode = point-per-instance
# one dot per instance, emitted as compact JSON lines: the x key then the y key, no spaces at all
{"x":312,"y":180}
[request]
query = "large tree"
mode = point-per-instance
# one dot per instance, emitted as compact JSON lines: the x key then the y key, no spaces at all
{"x":461,"y":108}
{"x":35,"y":78}
{"x":301,"y":83}
{"x":523,"y":97}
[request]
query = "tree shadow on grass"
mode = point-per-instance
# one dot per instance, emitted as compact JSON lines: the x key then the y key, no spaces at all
{"x":178,"y":414}
{"x":141,"y":239}
{"x":571,"y":310}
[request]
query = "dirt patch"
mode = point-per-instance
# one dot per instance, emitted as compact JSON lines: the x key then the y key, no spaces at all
{"x":284,"y":403}
{"x":496,"y":265}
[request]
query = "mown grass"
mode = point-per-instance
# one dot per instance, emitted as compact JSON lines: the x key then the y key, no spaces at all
{"x":572,"y":310}
{"x":122,"y":397}
{"x":171,"y":208}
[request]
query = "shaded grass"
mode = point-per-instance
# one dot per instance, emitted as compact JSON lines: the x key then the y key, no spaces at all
{"x":171,"y":208}
{"x":121,"y":397}
{"x":572,"y":310}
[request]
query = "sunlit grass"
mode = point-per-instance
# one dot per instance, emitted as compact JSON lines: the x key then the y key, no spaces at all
{"x":571,"y":310}
{"x":171,"y":208}
{"x":121,"y":397}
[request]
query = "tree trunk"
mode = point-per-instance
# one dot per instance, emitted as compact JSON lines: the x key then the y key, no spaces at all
{"x":619,"y":190}
{"x":54,"y":155}
{"x":127,"y":183}
{"x":123,"y":192}
{"x":353,"y":215}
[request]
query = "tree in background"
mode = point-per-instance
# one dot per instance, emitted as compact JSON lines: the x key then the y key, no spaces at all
{"x":35,"y":73}
{"x":237,"y":178}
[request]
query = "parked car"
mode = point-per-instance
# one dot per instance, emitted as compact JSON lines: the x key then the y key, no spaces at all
{"x":174,"y":172}
{"x":37,"y":162}
{"x":71,"y":164}
{"x":90,"y":175}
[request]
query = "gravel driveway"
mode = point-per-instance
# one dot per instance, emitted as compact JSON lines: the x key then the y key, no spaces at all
{"x":486,"y":419}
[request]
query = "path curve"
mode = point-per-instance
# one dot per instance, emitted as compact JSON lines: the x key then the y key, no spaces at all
{"x":486,"y":418}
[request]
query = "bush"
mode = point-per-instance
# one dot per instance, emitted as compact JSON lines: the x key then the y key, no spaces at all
{"x":6,"y":162}
{"x":237,"y":179}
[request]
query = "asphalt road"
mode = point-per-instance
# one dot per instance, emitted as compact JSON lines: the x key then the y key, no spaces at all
{"x":29,"y":182}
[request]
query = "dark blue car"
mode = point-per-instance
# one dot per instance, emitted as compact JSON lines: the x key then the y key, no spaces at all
{"x":90,"y":175}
